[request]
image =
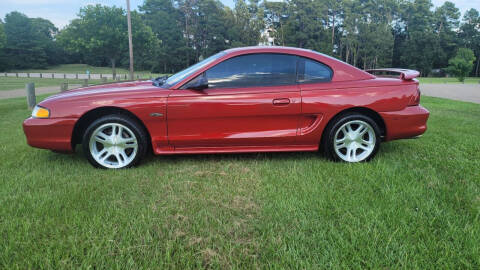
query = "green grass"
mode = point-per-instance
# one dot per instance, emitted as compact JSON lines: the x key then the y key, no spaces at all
{"x":448,"y":80}
{"x":12,"y":83}
{"x":415,"y":206}
{"x":77,"y":68}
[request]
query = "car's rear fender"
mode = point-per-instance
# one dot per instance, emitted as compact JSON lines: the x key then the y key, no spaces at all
{"x":369,"y":97}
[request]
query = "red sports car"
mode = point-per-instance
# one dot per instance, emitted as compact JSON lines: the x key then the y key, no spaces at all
{"x":253,"y":99}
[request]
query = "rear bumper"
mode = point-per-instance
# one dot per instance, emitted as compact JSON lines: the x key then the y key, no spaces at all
{"x":53,"y":134}
{"x":407,"y":123}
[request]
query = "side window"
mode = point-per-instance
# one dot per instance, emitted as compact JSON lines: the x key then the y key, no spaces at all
{"x":311,"y":71}
{"x":251,"y":70}
{"x":195,"y":82}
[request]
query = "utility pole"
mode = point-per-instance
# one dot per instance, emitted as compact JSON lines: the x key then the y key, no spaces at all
{"x":130,"y":45}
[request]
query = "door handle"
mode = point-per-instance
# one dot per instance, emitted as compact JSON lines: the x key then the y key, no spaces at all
{"x":281,"y":101}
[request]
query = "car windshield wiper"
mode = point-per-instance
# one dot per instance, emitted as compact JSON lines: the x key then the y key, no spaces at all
{"x":159,"y":81}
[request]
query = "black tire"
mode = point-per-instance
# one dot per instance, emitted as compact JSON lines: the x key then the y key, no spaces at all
{"x":328,"y":138}
{"x":132,"y":125}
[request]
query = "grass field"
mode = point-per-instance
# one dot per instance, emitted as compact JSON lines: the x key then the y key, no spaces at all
{"x":448,"y":80}
{"x":74,"y":68}
{"x":12,"y":83}
{"x":415,"y":206}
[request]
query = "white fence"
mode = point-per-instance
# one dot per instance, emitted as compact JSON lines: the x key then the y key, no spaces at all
{"x":74,"y":76}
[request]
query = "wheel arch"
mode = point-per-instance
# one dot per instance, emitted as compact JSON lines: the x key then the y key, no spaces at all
{"x":361,"y":110}
{"x":88,"y":117}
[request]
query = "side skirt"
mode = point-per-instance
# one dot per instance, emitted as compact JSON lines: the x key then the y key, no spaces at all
{"x":236,"y":149}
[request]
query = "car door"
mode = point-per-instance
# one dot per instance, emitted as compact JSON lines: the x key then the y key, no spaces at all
{"x":251,"y":100}
{"x":315,"y":82}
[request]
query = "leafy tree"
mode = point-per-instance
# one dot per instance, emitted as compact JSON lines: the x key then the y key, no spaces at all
{"x":247,"y":24}
{"x":29,"y":41}
{"x":275,"y":14}
{"x":144,"y":46}
{"x":192,"y":29}
{"x":349,"y":33}
{"x":172,"y":52}
{"x":3,"y":42}
{"x":3,"y":38}
{"x":45,"y":32}
{"x":210,"y":28}
{"x":461,"y":65}
{"x":446,"y":20}
{"x":470,"y":35}
{"x":169,"y":35}
{"x":417,"y":52}
{"x":306,"y":25}
{"x":101,"y":32}
{"x":372,"y":33}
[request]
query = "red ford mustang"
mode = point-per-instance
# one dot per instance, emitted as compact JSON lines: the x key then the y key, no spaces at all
{"x":254,"y":99}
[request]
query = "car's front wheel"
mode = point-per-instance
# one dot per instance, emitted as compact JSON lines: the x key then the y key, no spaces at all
{"x":352,"y":138}
{"x":114,"y":142}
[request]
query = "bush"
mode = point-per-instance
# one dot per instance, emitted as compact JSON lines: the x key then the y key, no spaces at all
{"x":461,"y":64}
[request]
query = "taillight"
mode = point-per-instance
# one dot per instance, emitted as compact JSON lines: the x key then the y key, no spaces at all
{"x":415,"y":100}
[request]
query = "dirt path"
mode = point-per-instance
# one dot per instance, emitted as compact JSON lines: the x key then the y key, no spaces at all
{"x":38,"y":91}
{"x":463,"y":92}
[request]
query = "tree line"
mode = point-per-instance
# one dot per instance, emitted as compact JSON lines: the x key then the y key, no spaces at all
{"x":169,"y":35}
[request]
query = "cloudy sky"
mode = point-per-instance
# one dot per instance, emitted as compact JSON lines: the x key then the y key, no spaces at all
{"x":60,"y":12}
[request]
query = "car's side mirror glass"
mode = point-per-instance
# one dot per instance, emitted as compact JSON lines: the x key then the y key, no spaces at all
{"x":199,"y":83}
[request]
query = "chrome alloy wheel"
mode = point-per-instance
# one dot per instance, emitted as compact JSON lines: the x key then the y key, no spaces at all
{"x":354,"y":141}
{"x":113,"y":145}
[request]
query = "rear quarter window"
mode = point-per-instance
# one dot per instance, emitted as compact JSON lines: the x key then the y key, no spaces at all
{"x":311,"y":71}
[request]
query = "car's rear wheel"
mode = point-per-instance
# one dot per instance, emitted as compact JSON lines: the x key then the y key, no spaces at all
{"x":114,"y":142}
{"x":352,"y":137}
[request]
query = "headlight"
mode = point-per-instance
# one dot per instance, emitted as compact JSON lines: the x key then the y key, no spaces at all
{"x":40,"y":112}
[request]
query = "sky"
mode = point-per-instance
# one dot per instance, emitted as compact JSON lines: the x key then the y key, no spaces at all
{"x":60,"y":12}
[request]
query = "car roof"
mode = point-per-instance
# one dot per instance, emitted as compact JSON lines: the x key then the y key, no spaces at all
{"x":274,"y":49}
{"x":269,"y":48}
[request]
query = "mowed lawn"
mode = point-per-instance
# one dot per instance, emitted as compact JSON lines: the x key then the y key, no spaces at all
{"x":468,"y":80}
{"x":415,"y":206}
{"x":75,"y":68}
{"x":82,"y":69}
{"x":13,"y":83}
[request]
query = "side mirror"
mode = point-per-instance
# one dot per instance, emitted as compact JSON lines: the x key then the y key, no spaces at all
{"x":200,"y":83}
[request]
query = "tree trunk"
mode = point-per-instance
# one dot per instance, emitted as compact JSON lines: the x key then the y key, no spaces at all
{"x":355,"y":57}
{"x":365,"y":61}
{"x":476,"y":68}
{"x":333,"y":31}
{"x":114,"y":71}
{"x":187,"y":39}
{"x":440,"y":29}
{"x":340,"y":52}
{"x":347,"y":53}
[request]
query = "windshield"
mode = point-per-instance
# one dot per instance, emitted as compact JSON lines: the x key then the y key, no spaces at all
{"x":177,"y":77}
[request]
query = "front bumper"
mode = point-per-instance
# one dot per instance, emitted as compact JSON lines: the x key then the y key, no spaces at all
{"x":54,"y":134}
{"x":407,"y":123}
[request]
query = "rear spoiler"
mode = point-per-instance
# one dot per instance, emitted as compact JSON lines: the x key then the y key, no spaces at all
{"x":405,"y":74}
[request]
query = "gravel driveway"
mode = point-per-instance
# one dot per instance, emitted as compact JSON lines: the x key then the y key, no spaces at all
{"x":463,"y":92}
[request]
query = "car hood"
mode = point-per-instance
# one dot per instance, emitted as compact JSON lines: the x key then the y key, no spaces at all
{"x":105,"y":89}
